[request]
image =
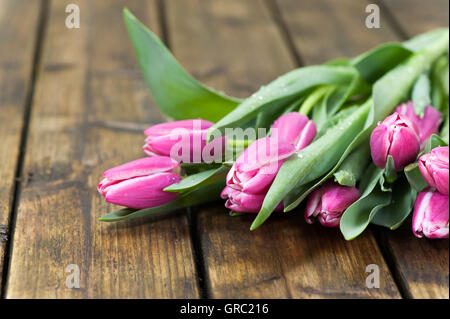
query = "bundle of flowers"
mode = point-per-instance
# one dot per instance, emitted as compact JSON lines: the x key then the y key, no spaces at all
{"x":360,"y":140}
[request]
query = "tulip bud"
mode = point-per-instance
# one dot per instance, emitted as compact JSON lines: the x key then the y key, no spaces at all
{"x":139,"y":184}
{"x":430,"y":217}
{"x":253,"y":172}
{"x":395,"y":136}
{"x":183,"y":140}
{"x":434,"y":168}
{"x":427,"y":125}
{"x":329,"y":202}
{"x":294,"y":128}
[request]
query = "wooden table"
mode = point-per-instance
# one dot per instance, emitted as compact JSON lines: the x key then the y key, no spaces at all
{"x":73,"y":103}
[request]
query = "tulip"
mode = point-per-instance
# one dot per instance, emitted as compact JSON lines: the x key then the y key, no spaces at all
{"x":294,"y":128}
{"x":242,"y":202}
{"x":430,"y":217}
{"x":183,"y":140}
{"x":427,"y":125}
{"x":253,"y":172}
{"x":139,"y":184}
{"x":329,"y":202}
{"x":434,"y":168}
{"x":395,"y":136}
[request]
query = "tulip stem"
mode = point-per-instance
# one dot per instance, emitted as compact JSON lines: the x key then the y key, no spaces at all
{"x":314,"y":97}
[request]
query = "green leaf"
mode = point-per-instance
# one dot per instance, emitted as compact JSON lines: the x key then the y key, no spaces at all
{"x":352,"y":168}
{"x":266,"y":118}
{"x":283,"y":91}
{"x":375,"y":63}
{"x":389,"y":171}
{"x":200,"y":179}
{"x":445,"y":130}
{"x":177,"y":93}
{"x":194,"y":168}
{"x":198,"y":196}
{"x":402,"y":202}
{"x":421,"y":93}
{"x":415,"y":177}
{"x":433,"y":142}
{"x":358,"y":216}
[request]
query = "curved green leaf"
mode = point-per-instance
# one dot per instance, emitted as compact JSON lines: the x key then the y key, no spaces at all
{"x":177,"y":93}
{"x":200,"y":179}
{"x":393,"y":215}
{"x":421,"y":93}
{"x":415,"y":177}
{"x":375,"y":63}
{"x":352,"y":168}
{"x":358,"y":216}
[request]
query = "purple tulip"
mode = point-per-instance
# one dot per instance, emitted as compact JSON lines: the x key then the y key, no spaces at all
{"x":139,"y":184}
{"x":396,"y":136}
{"x":253,"y":172}
{"x":427,"y":125}
{"x":294,"y":128}
{"x":183,"y":141}
{"x":329,"y":202}
{"x":430,"y":217}
{"x":434,"y":168}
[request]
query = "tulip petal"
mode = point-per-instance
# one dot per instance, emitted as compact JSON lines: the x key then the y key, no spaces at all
{"x":429,"y":124}
{"x":142,"y":167}
{"x":431,"y":215}
{"x":263,"y":152}
{"x":143,"y":192}
{"x":404,"y":147}
{"x":379,"y":145}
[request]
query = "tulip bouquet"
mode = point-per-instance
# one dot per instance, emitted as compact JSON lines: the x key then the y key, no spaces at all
{"x":361,"y":140}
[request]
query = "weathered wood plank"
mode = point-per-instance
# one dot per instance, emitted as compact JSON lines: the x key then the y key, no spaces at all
{"x":18,"y":29}
{"x":323,"y":30}
{"x":416,"y":16}
{"x":421,"y":264}
{"x":89,"y":88}
{"x":235,"y":46}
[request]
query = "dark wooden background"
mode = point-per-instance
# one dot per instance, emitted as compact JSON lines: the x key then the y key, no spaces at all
{"x":73,"y":103}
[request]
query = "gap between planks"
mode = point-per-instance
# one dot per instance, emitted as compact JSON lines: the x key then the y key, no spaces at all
{"x":191,"y":215}
{"x":18,"y":176}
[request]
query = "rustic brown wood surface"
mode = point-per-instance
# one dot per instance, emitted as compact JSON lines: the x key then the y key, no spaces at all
{"x":84,"y":91}
{"x":89,"y":106}
{"x":18,"y":31}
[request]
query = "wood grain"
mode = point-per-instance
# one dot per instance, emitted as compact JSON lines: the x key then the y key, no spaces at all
{"x":286,"y":257}
{"x":322,"y":30}
{"x":18,"y":29}
{"x":89,"y":89}
{"x":422,"y":266}
{"x":416,"y":16}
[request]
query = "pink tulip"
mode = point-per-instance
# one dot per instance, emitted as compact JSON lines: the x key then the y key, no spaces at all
{"x":253,"y":173}
{"x":427,"y":125}
{"x":329,"y":202}
{"x":139,"y":184}
{"x":430,"y":217}
{"x":294,"y":128}
{"x":396,"y":136}
{"x":434,"y":168}
{"x":183,"y":141}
